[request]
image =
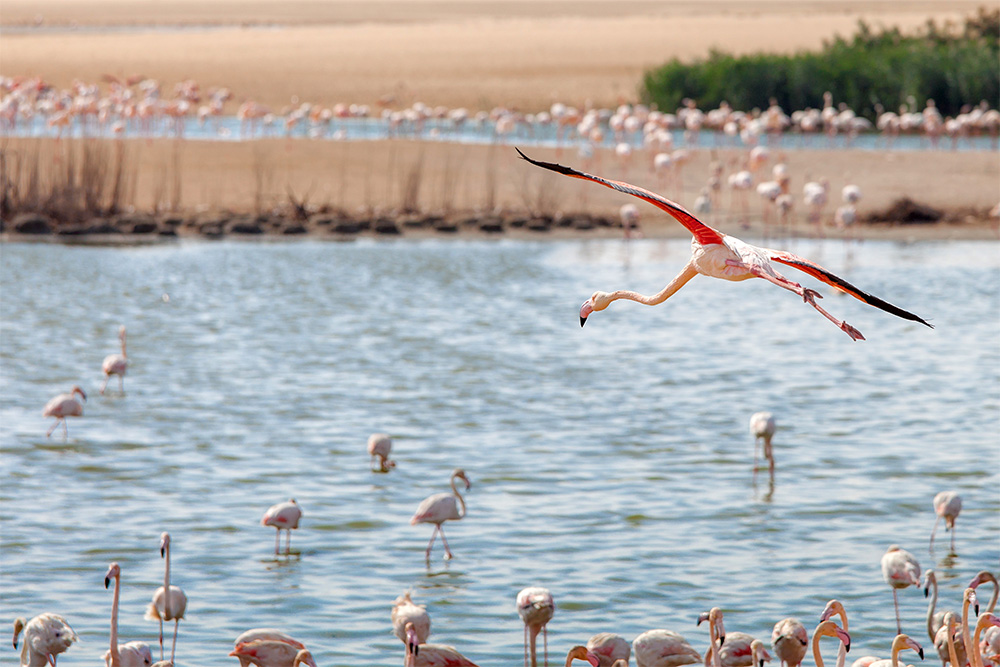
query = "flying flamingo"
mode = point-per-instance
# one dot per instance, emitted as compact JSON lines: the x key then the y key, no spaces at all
{"x":721,"y":256}
{"x":115,"y":364}
{"x":62,"y":406}
{"x":441,"y":507}
{"x":283,"y":516}
{"x":663,"y":648}
{"x":536,"y":607}
{"x":272,"y":653}
{"x":947,"y":504}
{"x":830,"y":629}
{"x":438,"y":655}
{"x":762,"y":427}
{"x":405,"y":614}
{"x":582,"y":653}
{"x":900,"y":570}
{"x":900,"y":643}
{"x":264,"y":634}
{"x":789,"y":639}
{"x":609,"y":648}
{"x":169,"y":602}
{"x":45,"y":637}
{"x":131,"y":654}
{"x":982,"y":578}
{"x":835,"y":607}
{"x":379,"y":446}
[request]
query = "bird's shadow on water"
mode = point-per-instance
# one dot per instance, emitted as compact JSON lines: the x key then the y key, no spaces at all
{"x":948,"y":562}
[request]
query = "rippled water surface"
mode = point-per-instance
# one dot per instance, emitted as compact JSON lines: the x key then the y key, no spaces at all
{"x":610,"y":464}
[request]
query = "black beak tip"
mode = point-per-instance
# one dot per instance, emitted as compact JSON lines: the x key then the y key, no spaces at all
{"x":107,"y":581}
{"x":722,"y":640}
{"x":921,"y":653}
{"x":163,"y":552}
{"x":847,"y":647}
{"x":583,"y":320}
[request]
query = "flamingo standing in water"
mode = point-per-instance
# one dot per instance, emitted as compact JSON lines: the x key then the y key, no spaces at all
{"x":442,"y":507}
{"x":272,"y":653}
{"x":900,"y":570}
{"x":169,"y":602}
{"x":115,"y":364}
{"x":45,"y":637}
{"x":609,"y":648}
{"x":721,"y":256}
{"x":982,"y":578}
{"x":131,"y":654}
{"x":63,"y":406}
{"x":405,"y":614}
{"x":663,"y":648}
{"x":437,"y":655}
{"x":947,"y":504}
{"x":835,"y":607}
{"x":263,"y":634}
{"x":379,"y":446}
{"x":283,"y":516}
{"x":830,"y":629}
{"x":536,"y":607}
{"x":762,"y":427}
{"x":789,"y":639}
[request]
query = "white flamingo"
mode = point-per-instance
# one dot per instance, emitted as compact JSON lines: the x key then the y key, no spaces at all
{"x":269,"y":634}
{"x":900,"y":570}
{"x":130,"y":654}
{"x":442,"y":507}
{"x":536,"y":607}
{"x":45,"y":637}
{"x":115,"y":364}
{"x":789,"y":639}
{"x":63,"y":406}
{"x":283,"y":516}
{"x":762,"y":427}
{"x":379,"y":447}
{"x":169,"y":602}
{"x":947,"y":505}
{"x":413,"y":617}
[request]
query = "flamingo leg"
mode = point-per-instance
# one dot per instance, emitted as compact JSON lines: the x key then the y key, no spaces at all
{"x":48,"y":434}
{"x":545,"y":644}
{"x":447,"y":551}
{"x":288,"y":540}
{"x":526,"y":645}
{"x":769,"y":455}
{"x":277,"y":540}
{"x":431,"y":543}
{"x":934,"y":530}
{"x":756,"y":442}
{"x":104,"y":385}
{"x":895,"y":603}
{"x":953,"y":538}
{"x":173,"y":646}
{"x":161,"y":637}
{"x":121,"y":384}
{"x":65,"y":430}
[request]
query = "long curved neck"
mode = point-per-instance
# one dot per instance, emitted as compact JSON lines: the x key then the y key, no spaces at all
{"x":115,"y":657}
{"x":682,"y":278}
{"x":123,"y":346}
{"x":895,"y":654}
{"x":970,"y":648}
{"x":816,"y":654}
{"x":166,"y":582}
{"x":713,"y":635}
{"x":458,"y":495}
{"x":842,"y":649}
{"x":993,"y":598}
{"x":952,"y":654}
{"x":976,"y":656}
{"x":932,"y":581}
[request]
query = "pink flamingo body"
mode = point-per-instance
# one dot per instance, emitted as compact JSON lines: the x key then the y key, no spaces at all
{"x":435,"y":655}
{"x":718,"y":255}
{"x":442,"y":507}
{"x":736,"y":651}
{"x":169,"y":602}
{"x":63,"y":406}
{"x":536,"y":607}
{"x":609,"y":648}
{"x":45,"y":637}
{"x":130,"y":654}
{"x":987,"y":648}
{"x":790,"y":639}
{"x":947,"y":505}
{"x":663,"y":648}
{"x":272,"y":653}
{"x":283,"y":516}
{"x":264,"y":634}
{"x":115,"y":364}
{"x":900,"y":570}
{"x":379,"y":446}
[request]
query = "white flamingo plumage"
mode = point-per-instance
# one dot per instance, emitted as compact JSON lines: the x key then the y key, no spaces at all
{"x":442,"y":507}
{"x":609,"y":648}
{"x":947,"y":505}
{"x":283,"y":516}
{"x":663,"y":648}
{"x":763,"y":427}
{"x":721,"y":256}
{"x":900,"y":570}
{"x":438,"y":655}
{"x":116,"y":364}
{"x":379,"y":447}
{"x":169,"y":602}
{"x":272,"y":653}
{"x":130,"y":654}
{"x":412,"y":624}
{"x":45,"y":637}
{"x":63,"y":406}
{"x":536,"y":607}
{"x":790,"y":639}
{"x":270,"y":634}
{"x":900,"y":643}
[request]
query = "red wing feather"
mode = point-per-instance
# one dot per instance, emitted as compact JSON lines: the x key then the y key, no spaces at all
{"x":818,"y":272}
{"x":702,"y":232}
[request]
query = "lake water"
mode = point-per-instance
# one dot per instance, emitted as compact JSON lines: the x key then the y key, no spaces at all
{"x":611,"y":464}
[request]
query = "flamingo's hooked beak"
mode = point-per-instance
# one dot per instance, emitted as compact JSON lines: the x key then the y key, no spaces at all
{"x":107,"y":582}
{"x":585,"y":310}
{"x":593,"y":659}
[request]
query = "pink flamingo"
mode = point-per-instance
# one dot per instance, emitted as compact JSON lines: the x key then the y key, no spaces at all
{"x":582,"y":653}
{"x":947,"y":504}
{"x":116,"y":364}
{"x":900,"y":643}
{"x":936,"y":619}
{"x":442,"y":507}
{"x":536,"y":607}
{"x":265,"y":634}
{"x":272,"y":653}
{"x":663,"y":648}
{"x":830,"y":629}
{"x":835,"y":607}
{"x":989,"y":646}
{"x":283,"y":516}
{"x":437,"y":655}
{"x":716,"y":633}
{"x":758,"y":656}
{"x":789,"y":639}
{"x":412,"y":624}
{"x":982,"y":578}
{"x":63,"y":406}
{"x":762,"y":427}
{"x":131,"y":654}
{"x":609,"y":648}
{"x":969,"y":599}
{"x":45,"y":637}
{"x":721,"y":256}
{"x":169,"y":602}
{"x":900,"y":570}
{"x":379,"y":446}
{"x":736,"y":651}
{"x":949,"y":650}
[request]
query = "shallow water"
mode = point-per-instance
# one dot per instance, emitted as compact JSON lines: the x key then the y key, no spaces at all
{"x":610,"y":464}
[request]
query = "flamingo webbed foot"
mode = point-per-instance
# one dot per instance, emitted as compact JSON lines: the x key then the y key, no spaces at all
{"x":851,"y":331}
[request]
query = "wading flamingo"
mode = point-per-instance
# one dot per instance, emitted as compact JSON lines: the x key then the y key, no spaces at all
{"x":762,"y":427}
{"x":947,"y":504}
{"x":758,"y":656}
{"x":900,"y":570}
{"x":663,"y":648}
{"x":935,"y":621}
{"x":609,"y":648}
{"x":283,"y":516}
{"x":405,"y":614}
{"x":721,"y":256}
{"x":266,"y":634}
{"x":442,"y":507}
{"x":536,"y":607}
{"x":830,"y":629}
{"x":167,"y":606}
{"x":45,"y":637}
{"x":379,"y":446}
{"x":982,"y":578}
{"x":736,"y":651}
{"x":900,"y":643}
{"x":272,"y":653}
{"x":438,"y":655}
{"x":582,"y":653}
{"x":789,"y":639}
{"x":62,"y":406}
{"x":835,"y":607}
{"x":131,"y":654}
{"x":115,"y":364}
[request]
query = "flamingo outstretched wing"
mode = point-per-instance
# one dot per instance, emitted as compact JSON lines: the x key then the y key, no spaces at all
{"x":702,"y":232}
{"x":818,"y":272}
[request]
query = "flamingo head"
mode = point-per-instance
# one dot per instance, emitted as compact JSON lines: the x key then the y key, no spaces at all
{"x":581,"y":653}
{"x":18,"y":626}
{"x":832,"y":607}
{"x":121,"y":332}
{"x":460,"y":474}
{"x":412,"y":641}
{"x":904,"y":641}
{"x":970,"y":597}
{"x":76,"y":390}
{"x":714,"y":618}
{"x":113,"y":572}
{"x":164,"y":543}
{"x":759,"y":653}
{"x":304,"y":657}
{"x":982,"y":578}
{"x":598,"y":302}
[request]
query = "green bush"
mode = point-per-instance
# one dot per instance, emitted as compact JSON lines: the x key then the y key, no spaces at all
{"x":952,"y":65}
